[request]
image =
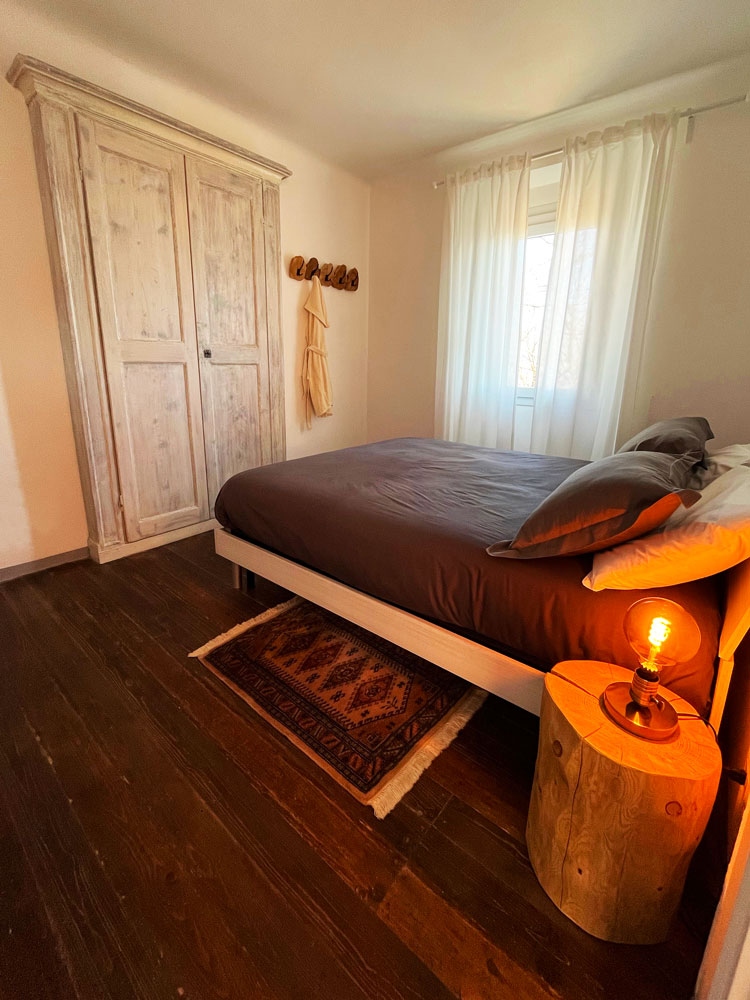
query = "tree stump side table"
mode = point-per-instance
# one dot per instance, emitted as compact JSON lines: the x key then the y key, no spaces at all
{"x":614,"y":819}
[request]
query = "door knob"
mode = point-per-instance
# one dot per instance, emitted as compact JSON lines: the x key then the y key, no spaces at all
{"x":206,"y":352}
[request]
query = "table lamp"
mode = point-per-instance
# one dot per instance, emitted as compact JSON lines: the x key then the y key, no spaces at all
{"x":662,"y":633}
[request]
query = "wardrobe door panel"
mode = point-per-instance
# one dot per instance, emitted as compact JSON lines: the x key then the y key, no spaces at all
{"x":142,"y":261}
{"x":137,"y":212}
{"x":226,"y":225}
{"x":237,"y":444}
{"x":159,"y":431}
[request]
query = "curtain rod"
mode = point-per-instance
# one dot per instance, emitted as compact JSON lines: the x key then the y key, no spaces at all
{"x":687,"y":113}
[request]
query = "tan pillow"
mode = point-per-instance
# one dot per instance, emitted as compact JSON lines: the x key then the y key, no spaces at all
{"x":604,"y":503}
{"x":711,"y":537}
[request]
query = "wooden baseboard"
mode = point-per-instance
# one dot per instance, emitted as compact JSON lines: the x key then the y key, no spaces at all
{"x":107,"y":553}
{"x":37,"y":565}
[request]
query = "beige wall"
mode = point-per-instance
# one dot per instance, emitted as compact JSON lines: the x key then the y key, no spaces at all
{"x":406,"y":227}
{"x":324,"y":212}
{"x":697,"y":352}
{"x":41,"y":509}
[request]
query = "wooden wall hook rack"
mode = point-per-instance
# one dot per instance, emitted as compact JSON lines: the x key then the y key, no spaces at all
{"x":335,"y":277}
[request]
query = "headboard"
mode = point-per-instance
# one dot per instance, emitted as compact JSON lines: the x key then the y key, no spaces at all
{"x":733,"y":631}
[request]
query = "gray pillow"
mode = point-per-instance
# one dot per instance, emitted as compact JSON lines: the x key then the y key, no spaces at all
{"x":678,"y":436}
{"x":606,"y":502}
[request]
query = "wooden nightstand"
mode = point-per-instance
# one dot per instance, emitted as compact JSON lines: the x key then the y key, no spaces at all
{"x":614,"y":819}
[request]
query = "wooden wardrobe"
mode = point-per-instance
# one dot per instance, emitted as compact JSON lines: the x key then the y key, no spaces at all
{"x":164,"y":244}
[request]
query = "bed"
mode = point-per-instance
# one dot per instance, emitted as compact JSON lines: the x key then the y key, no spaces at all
{"x":393,"y":536}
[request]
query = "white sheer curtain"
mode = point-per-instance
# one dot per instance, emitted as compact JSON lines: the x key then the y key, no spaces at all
{"x":480,"y":302}
{"x":609,"y":214}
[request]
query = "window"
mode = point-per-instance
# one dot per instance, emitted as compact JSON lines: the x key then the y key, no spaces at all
{"x":540,"y":241}
{"x":535,"y":280}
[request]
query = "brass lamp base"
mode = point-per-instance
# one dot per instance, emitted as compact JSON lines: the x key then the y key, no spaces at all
{"x":655,"y":721}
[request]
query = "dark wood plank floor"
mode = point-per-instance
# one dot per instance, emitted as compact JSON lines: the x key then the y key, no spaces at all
{"x":160,"y":840}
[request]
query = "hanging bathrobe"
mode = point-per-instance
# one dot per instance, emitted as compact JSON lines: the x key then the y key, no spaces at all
{"x":316,"y":382}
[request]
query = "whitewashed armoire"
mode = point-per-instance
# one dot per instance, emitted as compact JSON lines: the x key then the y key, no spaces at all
{"x":164,"y":245}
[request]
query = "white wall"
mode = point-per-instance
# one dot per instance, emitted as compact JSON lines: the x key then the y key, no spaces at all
{"x":325,"y":212}
{"x":696,"y":357}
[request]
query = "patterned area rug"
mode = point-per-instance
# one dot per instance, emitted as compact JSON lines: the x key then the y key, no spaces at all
{"x":372,"y":715}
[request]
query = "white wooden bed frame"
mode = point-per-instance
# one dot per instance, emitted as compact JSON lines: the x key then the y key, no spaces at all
{"x":493,"y":671}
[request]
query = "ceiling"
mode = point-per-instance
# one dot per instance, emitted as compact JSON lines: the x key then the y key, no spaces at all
{"x":368,"y":84}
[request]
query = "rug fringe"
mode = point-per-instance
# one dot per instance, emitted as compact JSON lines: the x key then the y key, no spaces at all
{"x":407,"y":777}
{"x":244,"y":626}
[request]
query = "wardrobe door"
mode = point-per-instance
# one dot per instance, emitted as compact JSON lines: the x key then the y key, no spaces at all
{"x":137,"y":213}
{"x":226,"y":228}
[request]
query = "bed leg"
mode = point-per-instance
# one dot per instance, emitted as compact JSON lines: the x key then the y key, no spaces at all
{"x":242,"y":579}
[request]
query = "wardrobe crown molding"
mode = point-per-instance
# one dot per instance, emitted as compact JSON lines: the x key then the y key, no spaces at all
{"x":38,"y":79}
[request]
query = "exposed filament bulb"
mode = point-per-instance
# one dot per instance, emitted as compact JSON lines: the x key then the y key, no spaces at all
{"x":660,"y":629}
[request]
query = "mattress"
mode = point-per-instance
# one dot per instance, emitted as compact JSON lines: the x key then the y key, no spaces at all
{"x":408,"y":521}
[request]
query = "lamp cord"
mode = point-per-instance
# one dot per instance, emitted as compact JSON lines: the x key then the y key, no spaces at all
{"x":688,"y":715}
